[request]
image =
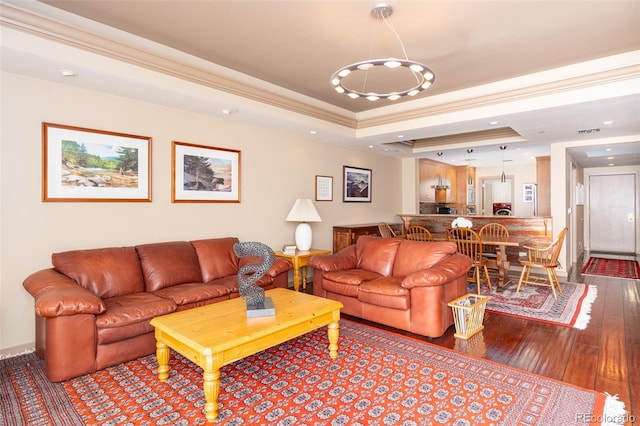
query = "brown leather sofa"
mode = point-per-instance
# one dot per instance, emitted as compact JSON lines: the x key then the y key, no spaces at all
{"x":94,"y":306}
{"x":400,"y":283}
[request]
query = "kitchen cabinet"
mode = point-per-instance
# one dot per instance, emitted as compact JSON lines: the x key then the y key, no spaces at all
{"x":433,"y":174}
{"x":344,"y":236}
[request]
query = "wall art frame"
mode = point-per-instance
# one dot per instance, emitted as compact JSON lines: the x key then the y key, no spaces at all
{"x":204,"y":174}
{"x":356,"y":185}
{"x":88,"y":165}
{"x":324,"y":188}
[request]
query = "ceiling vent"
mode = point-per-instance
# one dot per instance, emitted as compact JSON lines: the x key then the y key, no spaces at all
{"x":588,"y":131}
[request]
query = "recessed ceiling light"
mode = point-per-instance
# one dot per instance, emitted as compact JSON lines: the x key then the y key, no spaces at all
{"x":313,"y":132}
{"x":68,"y":73}
{"x":493,"y":123}
{"x":400,"y":136}
{"x":607,"y":122}
{"x":370,"y":146}
{"x":610,"y":164}
{"x":229,"y":111}
{"x":610,"y":158}
{"x":609,"y":149}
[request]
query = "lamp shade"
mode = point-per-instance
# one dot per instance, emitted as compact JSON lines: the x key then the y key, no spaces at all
{"x":303,"y":211}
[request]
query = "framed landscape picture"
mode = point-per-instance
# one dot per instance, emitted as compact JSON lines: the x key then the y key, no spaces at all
{"x":357,"y":184}
{"x":204,"y":174}
{"x":82,"y":164}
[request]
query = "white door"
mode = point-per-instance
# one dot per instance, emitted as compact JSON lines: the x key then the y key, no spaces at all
{"x":612,"y":203}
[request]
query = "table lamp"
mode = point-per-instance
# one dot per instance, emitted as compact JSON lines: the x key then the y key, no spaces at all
{"x":303,"y":211}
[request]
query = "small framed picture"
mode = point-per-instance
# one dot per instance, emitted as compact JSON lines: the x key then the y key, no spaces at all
{"x":356,"y":185}
{"x":82,"y":164}
{"x":528,"y":192}
{"x":324,"y":188}
{"x":204,"y":174}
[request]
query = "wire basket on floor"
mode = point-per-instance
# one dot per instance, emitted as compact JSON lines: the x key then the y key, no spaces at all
{"x":468,"y":314}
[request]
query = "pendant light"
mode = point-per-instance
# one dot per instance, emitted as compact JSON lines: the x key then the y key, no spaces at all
{"x":503,"y":178}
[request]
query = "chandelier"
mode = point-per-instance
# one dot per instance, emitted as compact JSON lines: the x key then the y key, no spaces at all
{"x":422,"y":76}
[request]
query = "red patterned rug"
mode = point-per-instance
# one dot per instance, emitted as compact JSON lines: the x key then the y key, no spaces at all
{"x":378,"y":378}
{"x":572,"y":308}
{"x":27,"y":397}
{"x":618,"y":268}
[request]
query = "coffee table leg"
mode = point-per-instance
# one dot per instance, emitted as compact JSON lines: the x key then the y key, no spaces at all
{"x":211,"y":387}
{"x":333,"y":331}
{"x":162,"y":354}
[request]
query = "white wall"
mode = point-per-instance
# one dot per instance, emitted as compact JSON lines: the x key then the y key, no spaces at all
{"x":520,"y":176}
{"x":276,"y":169}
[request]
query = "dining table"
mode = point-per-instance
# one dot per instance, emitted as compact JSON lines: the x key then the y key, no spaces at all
{"x":500,"y":244}
{"x":502,"y":262}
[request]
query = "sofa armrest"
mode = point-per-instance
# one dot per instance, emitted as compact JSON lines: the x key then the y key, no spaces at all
{"x":56,"y":294}
{"x":279,"y":266}
{"x":342,"y":260}
{"x":444,"y":271}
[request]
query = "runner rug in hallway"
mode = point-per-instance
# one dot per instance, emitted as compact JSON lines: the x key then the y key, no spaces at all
{"x":572,"y":308}
{"x":378,"y":378}
{"x":618,"y":268}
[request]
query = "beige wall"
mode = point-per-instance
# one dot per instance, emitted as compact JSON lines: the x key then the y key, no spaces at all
{"x":276,"y":169}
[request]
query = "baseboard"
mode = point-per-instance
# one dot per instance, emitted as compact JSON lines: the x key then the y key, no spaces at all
{"x":17,"y":350}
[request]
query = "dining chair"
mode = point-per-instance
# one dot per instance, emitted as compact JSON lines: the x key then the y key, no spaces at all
{"x":545,"y":257}
{"x":469,"y":243}
{"x":418,"y":233}
{"x":385,"y":230}
{"x":492,"y":229}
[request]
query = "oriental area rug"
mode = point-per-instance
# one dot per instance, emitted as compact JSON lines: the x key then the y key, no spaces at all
{"x":378,"y":378}
{"x":572,"y":308}
{"x":618,"y":268}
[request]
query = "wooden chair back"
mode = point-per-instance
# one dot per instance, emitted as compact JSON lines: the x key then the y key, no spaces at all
{"x":418,"y":233}
{"x":385,"y":230}
{"x":492,"y":229}
{"x":469,"y":243}
{"x":546,"y":256}
{"x":542,"y":256}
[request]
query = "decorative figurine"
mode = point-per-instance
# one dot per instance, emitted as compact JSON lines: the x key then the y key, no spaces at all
{"x":249,"y":274}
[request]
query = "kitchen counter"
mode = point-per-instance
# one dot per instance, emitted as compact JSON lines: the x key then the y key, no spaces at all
{"x":522,"y":226}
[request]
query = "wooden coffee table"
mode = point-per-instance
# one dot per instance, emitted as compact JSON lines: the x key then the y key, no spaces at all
{"x":218,"y":334}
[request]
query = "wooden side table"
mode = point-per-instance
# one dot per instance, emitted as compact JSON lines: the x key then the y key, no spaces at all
{"x":300,"y":262}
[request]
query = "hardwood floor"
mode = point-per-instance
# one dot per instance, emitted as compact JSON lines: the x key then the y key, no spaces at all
{"x":604,"y":357}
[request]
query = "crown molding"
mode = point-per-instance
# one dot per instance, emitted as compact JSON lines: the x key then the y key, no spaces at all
{"x":621,"y":74}
{"x":60,"y":32}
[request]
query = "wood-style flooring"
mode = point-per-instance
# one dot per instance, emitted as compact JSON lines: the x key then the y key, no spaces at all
{"x":604,"y":357}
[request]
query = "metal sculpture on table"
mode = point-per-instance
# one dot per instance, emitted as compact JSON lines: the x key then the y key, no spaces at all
{"x":248,"y":275}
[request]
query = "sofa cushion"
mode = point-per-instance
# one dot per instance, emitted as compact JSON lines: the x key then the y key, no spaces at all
{"x":129,"y":316}
{"x":386,"y":292}
{"x":133,"y":308}
{"x":106,"y":272}
{"x":231,"y":283}
{"x":416,"y":255}
{"x":187,"y":293}
{"x":216,"y":257}
{"x":168,"y":264}
{"x":347,"y":282}
{"x":377,"y":254}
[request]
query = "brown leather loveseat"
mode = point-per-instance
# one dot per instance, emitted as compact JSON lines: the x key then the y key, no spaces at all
{"x":400,"y":283}
{"x":94,"y":306}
